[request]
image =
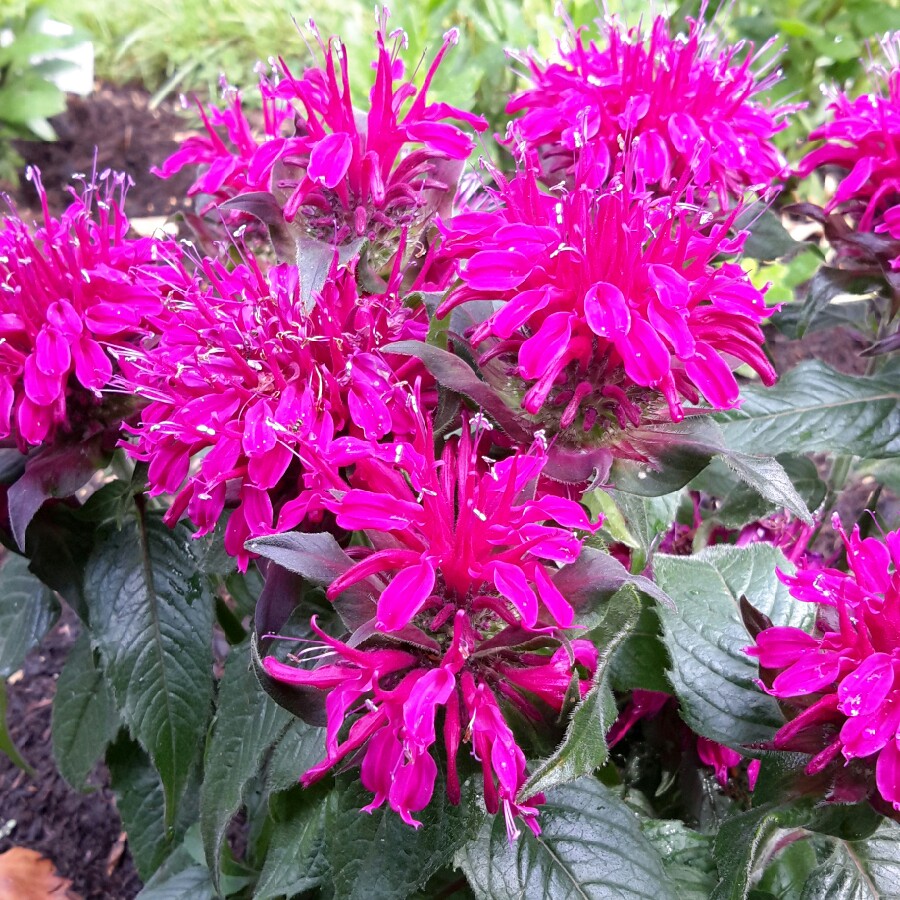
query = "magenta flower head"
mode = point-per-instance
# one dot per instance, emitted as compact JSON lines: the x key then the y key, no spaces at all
{"x":841,"y":683}
{"x":464,"y":557}
{"x":606,"y":305}
{"x":685,"y":104}
{"x":342,"y":174}
{"x":258,"y":380}
{"x":72,"y":291}
{"x":862,"y":139}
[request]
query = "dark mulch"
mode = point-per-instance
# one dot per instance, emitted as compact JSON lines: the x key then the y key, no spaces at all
{"x":128,"y":135}
{"x":80,"y":833}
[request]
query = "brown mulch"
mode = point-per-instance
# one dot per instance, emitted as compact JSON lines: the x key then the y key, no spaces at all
{"x":129,"y":137}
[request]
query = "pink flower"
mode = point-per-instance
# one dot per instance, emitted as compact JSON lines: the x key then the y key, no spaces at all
{"x":73,"y":289}
{"x":392,"y":698}
{"x":235,"y":160}
{"x":341,"y":174}
{"x":247,"y":377}
{"x":463,"y":534}
{"x":604,"y":303}
{"x":845,"y":676}
{"x":685,"y":105}
{"x":863,"y":139}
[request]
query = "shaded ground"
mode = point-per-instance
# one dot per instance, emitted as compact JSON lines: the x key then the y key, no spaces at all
{"x":80,"y":833}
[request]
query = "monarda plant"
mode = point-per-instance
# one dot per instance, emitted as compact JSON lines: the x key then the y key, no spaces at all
{"x":442,"y":528}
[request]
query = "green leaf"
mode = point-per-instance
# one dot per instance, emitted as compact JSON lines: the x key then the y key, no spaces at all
{"x":648,"y":518}
{"x":7,"y":745}
{"x":299,"y":748}
{"x":590,"y":847}
{"x":814,"y":408}
{"x":247,"y":724}
{"x":712,"y":675}
{"x":745,"y":844}
{"x":859,"y":870}
{"x":140,"y":802}
{"x":378,"y":856}
{"x":686,"y":855}
{"x":768,"y":239}
{"x":583,"y":748}
{"x":739,"y":504}
{"x":35,"y":99}
{"x":192,"y":883}
{"x":642,"y":660}
{"x":27,"y":612}
{"x":295,"y":861}
{"x":84,"y":715}
{"x":152,"y":621}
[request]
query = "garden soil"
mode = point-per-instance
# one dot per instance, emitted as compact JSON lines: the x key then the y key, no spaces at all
{"x":82,"y":833}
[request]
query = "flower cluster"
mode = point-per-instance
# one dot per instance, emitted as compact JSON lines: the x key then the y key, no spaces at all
{"x":687,"y":107}
{"x":863,"y":139}
{"x":841,"y":681}
{"x":258,"y":382}
{"x":464,"y":558}
{"x":71,"y":290}
{"x":604,"y":301}
{"x":340,"y":174}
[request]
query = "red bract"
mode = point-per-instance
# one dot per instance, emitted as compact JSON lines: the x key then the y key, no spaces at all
{"x":863,"y":138}
{"x":259,"y":385}
{"x":462,"y":552}
{"x":72,"y":288}
{"x":605,"y":302}
{"x":845,"y":677}
{"x":685,"y":104}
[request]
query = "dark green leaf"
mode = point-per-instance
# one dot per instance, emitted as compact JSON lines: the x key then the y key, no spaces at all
{"x":814,"y":408}
{"x":299,"y":749}
{"x":686,"y":855}
{"x":583,"y":748}
{"x":641,"y":660}
{"x":744,"y":845}
{"x":84,"y":716}
{"x":152,"y":621}
{"x":141,"y":804}
{"x":295,"y":861}
{"x":192,"y":883}
{"x":27,"y":612}
{"x":769,"y":239}
{"x":590,"y":847}
{"x":712,"y":675}
{"x":247,"y":724}
{"x":378,"y":856}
